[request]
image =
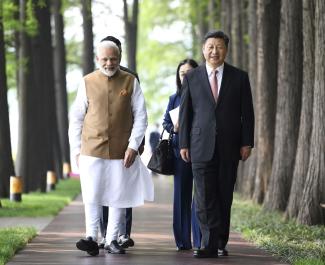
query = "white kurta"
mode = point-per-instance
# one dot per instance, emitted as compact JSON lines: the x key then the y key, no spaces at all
{"x":107,"y":181}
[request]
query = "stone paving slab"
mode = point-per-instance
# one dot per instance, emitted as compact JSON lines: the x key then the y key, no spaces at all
{"x":38,"y":223}
{"x":152,"y":232}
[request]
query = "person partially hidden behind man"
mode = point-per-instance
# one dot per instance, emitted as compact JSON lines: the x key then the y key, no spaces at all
{"x":107,"y":125}
{"x":216,"y":129}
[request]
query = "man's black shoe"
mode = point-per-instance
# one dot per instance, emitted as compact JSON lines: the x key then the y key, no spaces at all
{"x":88,"y":245}
{"x":182,"y":248}
{"x":114,"y":248}
{"x":222,"y":252}
{"x":125,"y":241}
{"x":205,"y":253}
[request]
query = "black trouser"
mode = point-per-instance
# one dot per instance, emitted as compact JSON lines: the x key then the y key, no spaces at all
{"x":104,"y":221}
{"x":214,"y":185}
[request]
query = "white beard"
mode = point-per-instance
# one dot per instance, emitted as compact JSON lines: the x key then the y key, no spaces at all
{"x":108,"y":72}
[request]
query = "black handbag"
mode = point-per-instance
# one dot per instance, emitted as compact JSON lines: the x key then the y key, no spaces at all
{"x":162,"y":159}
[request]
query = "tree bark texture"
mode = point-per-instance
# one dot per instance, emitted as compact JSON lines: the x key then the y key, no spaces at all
{"x":236,"y":33}
{"x":268,"y":24}
{"x":314,"y":191}
{"x":60,"y":81}
{"x":250,"y":168}
{"x":88,"y":48}
{"x":43,"y":64}
{"x":306,"y":117}
{"x":27,"y":160}
{"x":288,"y":104}
{"x":226,"y":24}
{"x":131,"y":31}
{"x":6,"y":162}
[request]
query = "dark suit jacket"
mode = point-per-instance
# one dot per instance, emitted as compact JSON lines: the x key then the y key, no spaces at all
{"x":230,"y":121}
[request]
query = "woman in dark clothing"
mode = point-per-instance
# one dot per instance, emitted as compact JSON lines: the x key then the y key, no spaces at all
{"x":183,"y":214}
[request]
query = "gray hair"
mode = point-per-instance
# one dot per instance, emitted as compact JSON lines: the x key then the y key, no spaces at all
{"x":107,"y":44}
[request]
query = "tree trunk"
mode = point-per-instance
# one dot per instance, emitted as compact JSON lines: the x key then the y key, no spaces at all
{"x":302,"y":155}
{"x":250,"y":167}
{"x":43,"y":65}
{"x":28,"y":165}
{"x":131,"y":30}
{"x":236,"y":33}
{"x":268,"y":24}
{"x":244,"y":32}
{"x":288,"y":104}
{"x":226,"y":24}
{"x":313,"y":194}
{"x":212,"y":14}
{"x":88,"y":47}
{"x":36,"y":102}
{"x":60,"y":82}
{"x":6,"y":163}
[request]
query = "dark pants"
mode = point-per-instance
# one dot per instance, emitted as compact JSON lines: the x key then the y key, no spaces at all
{"x":214,"y":185}
{"x":196,"y":231}
{"x":104,"y":221}
{"x":182,"y":210}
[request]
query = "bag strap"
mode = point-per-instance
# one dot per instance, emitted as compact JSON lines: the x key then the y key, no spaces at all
{"x":169,"y":137}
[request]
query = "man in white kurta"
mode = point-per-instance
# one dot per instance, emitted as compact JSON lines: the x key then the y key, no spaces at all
{"x":107,"y":124}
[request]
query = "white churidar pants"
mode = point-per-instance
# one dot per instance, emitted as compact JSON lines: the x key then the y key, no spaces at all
{"x":115,"y":218}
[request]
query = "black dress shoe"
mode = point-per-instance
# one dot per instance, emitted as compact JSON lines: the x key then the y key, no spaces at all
{"x":182,"y":248}
{"x":222,"y":252}
{"x":125,"y":241}
{"x":205,"y":253}
{"x":114,"y":248}
{"x":88,"y":245}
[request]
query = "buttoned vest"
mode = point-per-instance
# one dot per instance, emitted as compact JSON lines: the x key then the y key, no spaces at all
{"x":108,"y":122}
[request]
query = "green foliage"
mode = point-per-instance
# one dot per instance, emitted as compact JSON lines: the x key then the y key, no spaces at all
{"x":158,"y":58}
{"x":12,"y":240}
{"x":294,"y":243}
{"x":42,"y":204}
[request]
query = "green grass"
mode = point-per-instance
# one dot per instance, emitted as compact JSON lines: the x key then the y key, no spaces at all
{"x":34,"y":204}
{"x":12,"y":240}
{"x":42,"y":204}
{"x":296,"y":244}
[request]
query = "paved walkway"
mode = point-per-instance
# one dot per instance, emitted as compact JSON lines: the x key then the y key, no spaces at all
{"x":152,"y":232}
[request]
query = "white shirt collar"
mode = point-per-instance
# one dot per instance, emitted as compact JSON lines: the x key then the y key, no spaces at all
{"x":219,"y":69}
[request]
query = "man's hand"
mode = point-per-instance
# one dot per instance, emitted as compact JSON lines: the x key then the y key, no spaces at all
{"x":245,"y":152}
{"x":129,"y":157}
{"x":185,"y":154}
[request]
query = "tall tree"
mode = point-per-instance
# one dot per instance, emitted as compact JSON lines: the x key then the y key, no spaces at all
{"x":60,"y":82}
{"x":306,"y":117}
{"x":250,"y":168}
{"x":310,"y":211}
{"x":288,"y":104}
{"x":236,"y":33}
{"x":44,"y":78}
{"x":27,"y":161}
{"x":6,"y":162}
{"x":88,"y":46}
{"x":226,"y":23}
{"x":268,"y":24}
{"x":131,"y":32}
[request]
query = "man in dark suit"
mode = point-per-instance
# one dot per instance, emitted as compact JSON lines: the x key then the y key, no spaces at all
{"x":216,"y":122}
{"x":125,"y":230}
